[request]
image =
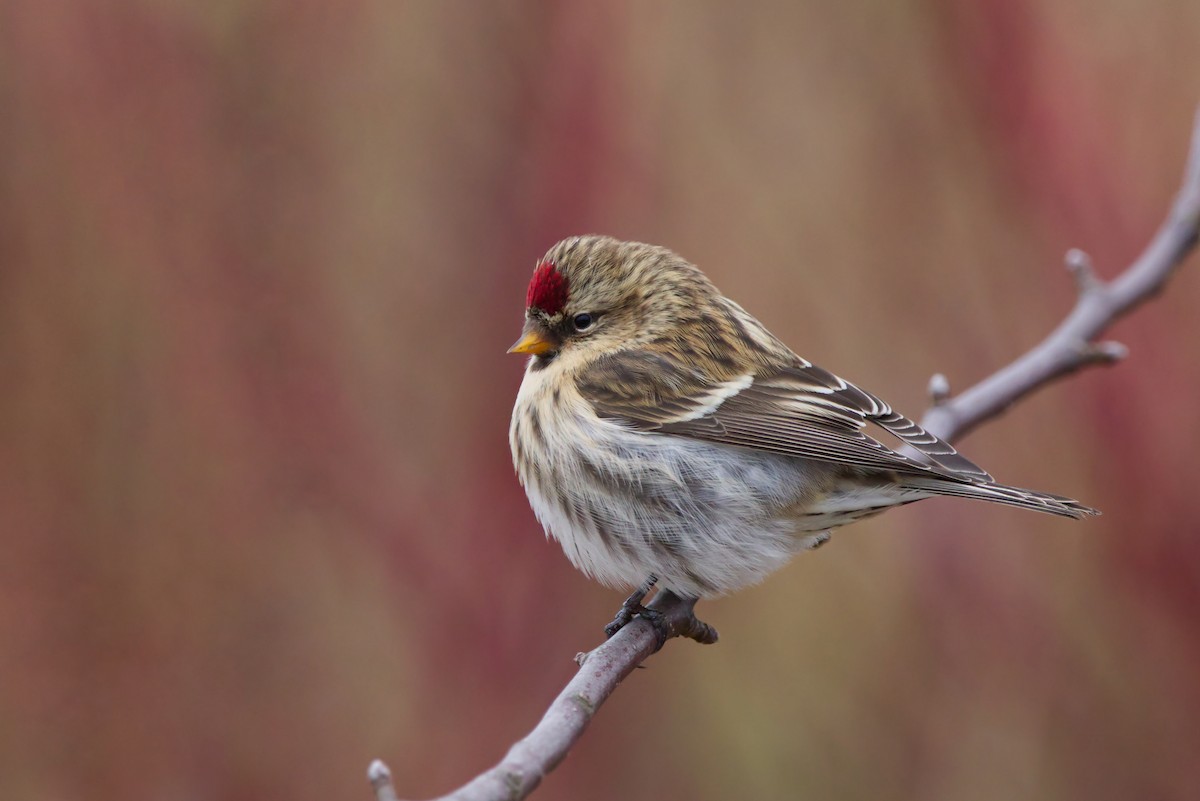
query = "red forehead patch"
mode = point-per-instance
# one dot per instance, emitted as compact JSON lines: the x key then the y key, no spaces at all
{"x":547,"y":289}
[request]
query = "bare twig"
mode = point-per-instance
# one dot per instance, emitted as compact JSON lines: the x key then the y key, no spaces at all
{"x":939,"y":389}
{"x":600,"y":671}
{"x":381,"y":780}
{"x":1073,"y":346}
{"x":1070,"y":347}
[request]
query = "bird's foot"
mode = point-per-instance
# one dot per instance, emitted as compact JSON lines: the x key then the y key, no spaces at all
{"x":676,"y":618}
{"x":632,"y":608}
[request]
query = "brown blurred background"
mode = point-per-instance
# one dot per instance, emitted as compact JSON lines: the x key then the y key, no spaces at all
{"x":259,"y":264}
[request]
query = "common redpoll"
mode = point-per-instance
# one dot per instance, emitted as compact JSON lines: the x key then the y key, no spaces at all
{"x":662,"y":433}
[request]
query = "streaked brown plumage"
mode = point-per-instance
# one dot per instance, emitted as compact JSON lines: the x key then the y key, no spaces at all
{"x":662,"y":431}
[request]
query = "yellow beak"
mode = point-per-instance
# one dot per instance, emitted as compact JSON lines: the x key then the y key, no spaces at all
{"x":531,"y":342}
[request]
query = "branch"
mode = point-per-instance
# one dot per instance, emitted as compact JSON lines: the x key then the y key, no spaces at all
{"x":1073,"y":345}
{"x":600,"y":671}
{"x":1069,"y":348}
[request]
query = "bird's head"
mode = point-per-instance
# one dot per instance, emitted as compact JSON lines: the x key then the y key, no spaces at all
{"x":599,"y":293}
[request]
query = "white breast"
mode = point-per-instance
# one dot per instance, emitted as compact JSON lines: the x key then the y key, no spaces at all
{"x":706,"y":519}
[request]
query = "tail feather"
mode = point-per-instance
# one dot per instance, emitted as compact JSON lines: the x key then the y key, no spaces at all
{"x":1001,"y":493}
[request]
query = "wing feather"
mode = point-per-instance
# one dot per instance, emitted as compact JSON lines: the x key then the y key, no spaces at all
{"x":799,"y":410}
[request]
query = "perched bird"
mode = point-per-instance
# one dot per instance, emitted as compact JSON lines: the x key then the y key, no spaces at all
{"x":663,"y":434}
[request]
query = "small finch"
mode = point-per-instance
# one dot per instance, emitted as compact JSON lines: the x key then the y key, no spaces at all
{"x":663,"y":435}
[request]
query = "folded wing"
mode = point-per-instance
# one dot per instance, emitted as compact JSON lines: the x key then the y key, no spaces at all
{"x":799,"y":410}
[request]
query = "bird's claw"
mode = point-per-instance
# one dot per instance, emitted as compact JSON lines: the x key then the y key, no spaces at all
{"x":691,"y":627}
{"x":656,"y":619}
{"x":621,"y":619}
{"x":632,"y":607}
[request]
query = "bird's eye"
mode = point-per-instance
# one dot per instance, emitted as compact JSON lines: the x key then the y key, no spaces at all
{"x":582,"y":322}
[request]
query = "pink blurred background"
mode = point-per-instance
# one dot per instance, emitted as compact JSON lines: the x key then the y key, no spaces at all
{"x":259,"y":264}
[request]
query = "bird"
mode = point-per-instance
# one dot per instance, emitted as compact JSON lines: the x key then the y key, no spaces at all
{"x":664,"y":437}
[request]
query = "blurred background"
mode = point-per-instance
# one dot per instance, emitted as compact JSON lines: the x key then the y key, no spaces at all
{"x":259,"y":265}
